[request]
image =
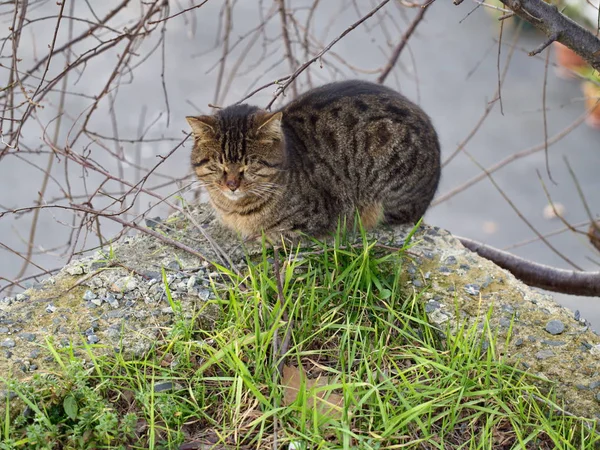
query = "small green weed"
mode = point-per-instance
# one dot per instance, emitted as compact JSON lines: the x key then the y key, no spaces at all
{"x":398,"y":381}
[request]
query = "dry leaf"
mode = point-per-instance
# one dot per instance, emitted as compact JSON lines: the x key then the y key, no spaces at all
{"x":328,"y":403}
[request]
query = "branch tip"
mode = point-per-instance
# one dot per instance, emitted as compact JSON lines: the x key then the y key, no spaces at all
{"x":553,"y":37}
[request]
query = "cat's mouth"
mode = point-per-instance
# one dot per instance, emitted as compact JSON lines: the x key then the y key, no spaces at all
{"x":233,"y":195}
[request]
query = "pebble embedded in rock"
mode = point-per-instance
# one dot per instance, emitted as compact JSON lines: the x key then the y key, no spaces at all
{"x":153,"y":222}
{"x":472,"y":289}
{"x":544,"y":354}
{"x":431,"y":306}
{"x":174,"y":265}
{"x":204,"y":294}
{"x":21,"y":297}
{"x":125,"y":284}
{"x":75,"y":270}
{"x":8,"y":343}
{"x":450,"y":260}
{"x":112,"y":301}
{"x":89,"y":295}
{"x":437,"y":317}
{"x":152,"y":275}
{"x":29,"y":337}
{"x":555,"y":327}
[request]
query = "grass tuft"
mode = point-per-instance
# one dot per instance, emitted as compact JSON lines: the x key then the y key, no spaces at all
{"x":360,"y":342}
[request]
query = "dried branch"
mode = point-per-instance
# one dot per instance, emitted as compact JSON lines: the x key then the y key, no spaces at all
{"x":403,"y":41}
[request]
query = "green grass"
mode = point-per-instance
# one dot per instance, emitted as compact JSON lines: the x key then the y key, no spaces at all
{"x":404,"y":384}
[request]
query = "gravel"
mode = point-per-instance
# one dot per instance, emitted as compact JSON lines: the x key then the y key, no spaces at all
{"x":555,"y":327}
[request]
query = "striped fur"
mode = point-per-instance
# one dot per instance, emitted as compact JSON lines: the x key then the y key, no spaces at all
{"x":336,"y":149}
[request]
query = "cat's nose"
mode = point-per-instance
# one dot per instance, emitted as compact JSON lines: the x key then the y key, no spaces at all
{"x":232,"y":184}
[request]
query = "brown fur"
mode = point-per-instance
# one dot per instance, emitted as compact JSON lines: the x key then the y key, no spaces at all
{"x":337,"y":149}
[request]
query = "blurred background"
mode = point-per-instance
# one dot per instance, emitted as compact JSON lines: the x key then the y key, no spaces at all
{"x":95,"y":95}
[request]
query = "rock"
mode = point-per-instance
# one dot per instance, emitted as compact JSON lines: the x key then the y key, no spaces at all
{"x":21,"y":297}
{"x":75,"y":269}
{"x":205,"y":294}
{"x":50,"y":308}
{"x":544,"y":354}
{"x":472,"y":289}
{"x":97,"y":301}
{"x":505,"y":322}
{"x":438,"y":317}
{"x":8,"y":343}
{"x":112,"y":301}
{"x":89,"y":295}
{"x":153,"y":222}
{"x":450,"y":261}
{"x":431,"y":306}
{"x":152,"y":275}
{"x":98,"y":265}
{"x":132,"y":319}
{"x":4,"y":330}
{"x":125,"y":284}
{"x":555,"y":327}
{"x":29,"y":337}
{"x":174,"y":265}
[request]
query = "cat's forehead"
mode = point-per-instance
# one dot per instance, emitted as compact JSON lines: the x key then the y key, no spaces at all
{"x":236,"y":116}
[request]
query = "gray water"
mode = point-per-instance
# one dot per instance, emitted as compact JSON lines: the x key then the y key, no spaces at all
{"x":449,"y":68}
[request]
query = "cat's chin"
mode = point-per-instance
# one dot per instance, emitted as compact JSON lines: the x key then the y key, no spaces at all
{"x":233,"y":196}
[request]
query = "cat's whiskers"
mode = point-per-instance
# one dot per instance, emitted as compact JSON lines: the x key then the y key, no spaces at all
{"x":264,"y":189}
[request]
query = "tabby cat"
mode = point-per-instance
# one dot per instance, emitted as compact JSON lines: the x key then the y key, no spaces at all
{"x":339,"y":148}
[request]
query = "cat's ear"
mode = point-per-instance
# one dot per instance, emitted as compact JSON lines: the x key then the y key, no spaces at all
{"x":269,"y":126}
{"x":202,"y":126}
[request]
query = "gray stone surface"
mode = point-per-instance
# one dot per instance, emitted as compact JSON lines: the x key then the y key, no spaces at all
{"x":555,"y":327}
{"x":132,"y":310}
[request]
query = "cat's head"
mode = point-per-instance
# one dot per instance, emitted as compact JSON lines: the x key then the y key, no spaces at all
{"x":238,"y":151}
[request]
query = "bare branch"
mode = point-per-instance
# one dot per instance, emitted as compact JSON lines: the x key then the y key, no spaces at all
{"x":557,"y":27}
{"x":572,"y":282}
